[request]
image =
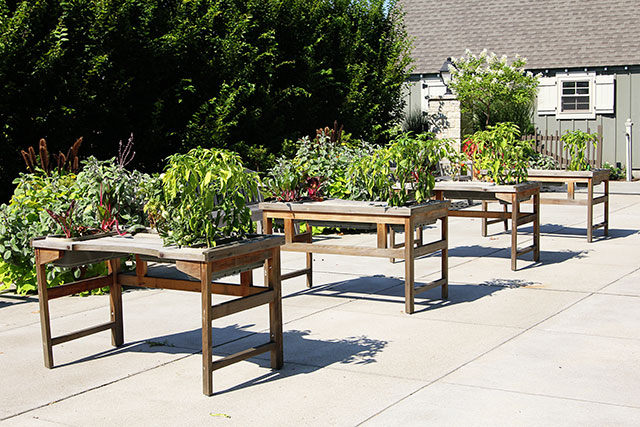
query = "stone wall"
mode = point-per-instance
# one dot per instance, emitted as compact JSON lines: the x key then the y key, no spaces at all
{"x":445,"y":117}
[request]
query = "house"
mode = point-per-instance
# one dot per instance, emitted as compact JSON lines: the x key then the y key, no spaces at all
{"x":587,"y":52}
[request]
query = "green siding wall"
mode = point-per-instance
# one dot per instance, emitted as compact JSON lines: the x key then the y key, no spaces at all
{"x":627,"y":105}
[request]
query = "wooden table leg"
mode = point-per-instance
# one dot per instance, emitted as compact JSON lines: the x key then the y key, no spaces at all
{"x":275,"y":309}
{"x":485,"y":207}
{"x":606,"y":207}
{"x":515,"y":208}
{"x":207,"y":341}
{"x":267,"y":224}
{"x":445,"y":255}
{"x":571,"y":190}
{"x":309,"y":260}
{"x":115,"y":300}
{"x":506,"y":221}
{"x":392,"y":241}
{"x":590,"y":210}
{"x":43,"y":301}
{"x":409,"y":291}
{"x":536,"y":227}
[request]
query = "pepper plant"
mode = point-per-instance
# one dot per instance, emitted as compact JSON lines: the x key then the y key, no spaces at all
{"x":500,"y":151}
{"x":576,"y":142}
{"x":402,"y":172}
{"x":201,"y":197}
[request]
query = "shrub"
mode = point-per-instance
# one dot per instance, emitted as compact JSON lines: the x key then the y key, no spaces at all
{"x":492,"y":90}
{"x":237,"y":74}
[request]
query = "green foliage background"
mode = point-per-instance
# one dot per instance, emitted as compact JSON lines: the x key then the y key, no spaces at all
{"x":237,"y":74}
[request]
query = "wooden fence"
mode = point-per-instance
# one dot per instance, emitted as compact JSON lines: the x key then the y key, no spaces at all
{"x":551,"y":145}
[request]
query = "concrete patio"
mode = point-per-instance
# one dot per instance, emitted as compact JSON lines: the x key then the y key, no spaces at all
{"x":554,"y":343}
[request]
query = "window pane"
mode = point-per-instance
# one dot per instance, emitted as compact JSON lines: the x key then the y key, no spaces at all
{"x":568,"y":84}
{"x":575,"y":103}
{"x":568,"y":91}
{"x":583,"y":91}
{"x":583,"y":84}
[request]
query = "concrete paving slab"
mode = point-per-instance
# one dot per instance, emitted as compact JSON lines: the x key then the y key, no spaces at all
{"x":16,"y":311}
{"x":444,"y":404}
{"x":476,"y":304}
{"x":246,"y":394}
{"x":557,"y":364}
{"x":627,"y":285}
{"x":80,"y":365}
{"x":601,"y":315}
{"x":32,"y":421}
{"x":339,"y":338}
{"x":560,"y":274}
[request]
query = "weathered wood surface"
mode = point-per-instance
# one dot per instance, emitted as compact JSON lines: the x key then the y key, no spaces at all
{"x":566,"y":174}
{"x":484,"y":187}
{"x":199,"y":264}
{"x":151,"y":244}
{"x":350,"y":207}
{"x":591,"y":178}
{"x":410,"y":217}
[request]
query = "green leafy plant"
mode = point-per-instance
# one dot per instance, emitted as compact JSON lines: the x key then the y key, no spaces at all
{"x":501,"y":153}
{"x":201,"y":197}
{"x":542,"y":162}
{"x":576,"y":143}
{"x":74,"y":201}
{"x":491,"y":89}
{"x":260,"y":71}
{"x":615,"y":173}
{"x":318,"y":168}
{"x":400,"y":173}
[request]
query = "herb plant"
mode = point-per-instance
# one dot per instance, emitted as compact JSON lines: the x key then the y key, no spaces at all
{"x":542,"y":162}
{"x":576,"y":142}
{"x":615,"y":173}
{"x":318,"y":168}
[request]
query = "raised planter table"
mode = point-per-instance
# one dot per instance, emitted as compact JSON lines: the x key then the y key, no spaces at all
{"x":591,"y":178}
{"x":379,"y":213}
{"x":201,"y":265}
{"x":507,"y":195}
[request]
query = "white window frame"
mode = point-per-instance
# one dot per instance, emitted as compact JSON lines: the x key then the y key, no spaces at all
{"x":577,"y":77}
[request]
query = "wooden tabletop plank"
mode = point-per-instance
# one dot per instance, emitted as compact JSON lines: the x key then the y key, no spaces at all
{"x":595,"y":173}
{"x":152,"y":245}
{"x":484,"y":187}
{"x":356,"y":207}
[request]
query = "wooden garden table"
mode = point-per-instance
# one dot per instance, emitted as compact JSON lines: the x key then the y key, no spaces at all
{"x":202,"y":264}
{"x":591,"y":178}
{"x":348,"y":212}
{"x":506,"y":194}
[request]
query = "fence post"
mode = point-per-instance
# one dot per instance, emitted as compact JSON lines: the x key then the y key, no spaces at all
{"x":629,"y":133}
